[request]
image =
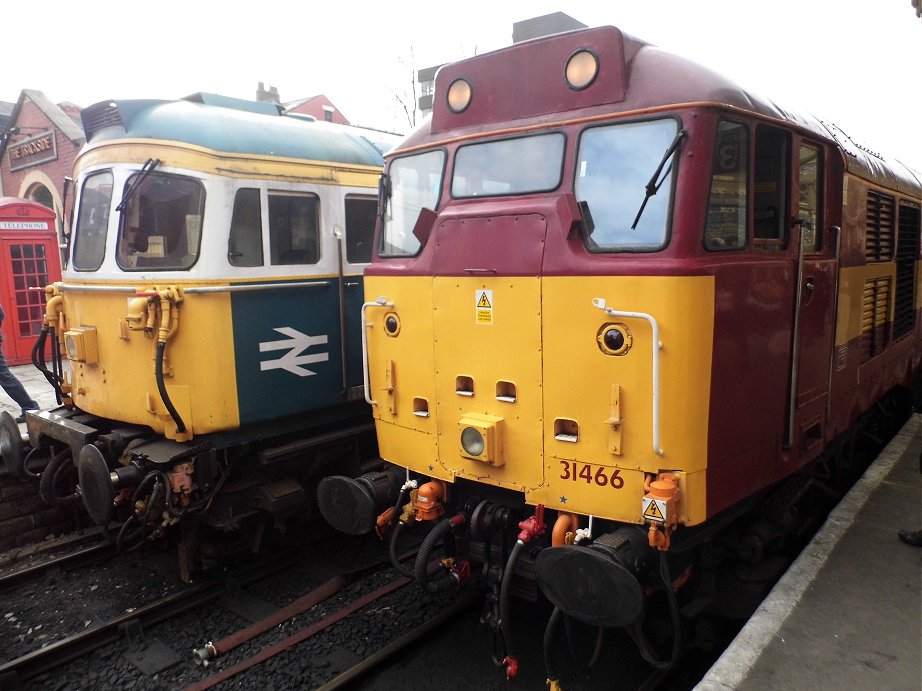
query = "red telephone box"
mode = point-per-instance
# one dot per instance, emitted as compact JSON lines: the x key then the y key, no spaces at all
{"x":29,"y":260}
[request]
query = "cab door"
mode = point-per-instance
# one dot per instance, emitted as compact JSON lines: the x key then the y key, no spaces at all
{"x":355,"y":245}
{"x":814,"y":308}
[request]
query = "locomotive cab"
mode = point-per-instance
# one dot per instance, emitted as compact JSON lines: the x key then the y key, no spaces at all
{"x":608,"y":305}
{"x":203,"y":350}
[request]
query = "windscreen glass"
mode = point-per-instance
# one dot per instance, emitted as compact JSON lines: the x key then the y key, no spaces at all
{"x":161,"y":223}
{"x":624,"y":174}
{"x":510,"y":166}
{"x":412,"y":183}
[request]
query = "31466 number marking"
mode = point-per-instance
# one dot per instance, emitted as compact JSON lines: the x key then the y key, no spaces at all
{"x":575,"y":471}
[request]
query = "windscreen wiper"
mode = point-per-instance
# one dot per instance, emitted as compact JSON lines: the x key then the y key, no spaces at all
{"x":146,"y":170}
{"x":656,"y":181}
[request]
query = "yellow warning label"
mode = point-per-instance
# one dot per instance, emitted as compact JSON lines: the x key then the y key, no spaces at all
{"x":483,"y":307}
{"x":654,"y":510}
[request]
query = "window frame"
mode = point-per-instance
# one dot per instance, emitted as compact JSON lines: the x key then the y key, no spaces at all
{"x":747,"y":175}
{"x":276,"y":256}
{"x":486,"y":143}
{"x":786,"y":186}
{"x":348,"y":234}
{"x":232,"y":236}
{"x":100,"y":251}
{"x":385,"y":202}
{"x":674,"y":162}
{"x":123,"y":221}
{"x":818,"y":247}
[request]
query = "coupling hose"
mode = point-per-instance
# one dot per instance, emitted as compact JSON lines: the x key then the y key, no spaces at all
{"x":421,"y":566}
{"x":505,"y":611}
{"x":161,"y":387}
{"x":395,"y":560}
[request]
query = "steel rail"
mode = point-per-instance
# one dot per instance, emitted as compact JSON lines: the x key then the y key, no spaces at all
{"x":300,"y":636}
{"x":67,"y":649}
{"x":392,"y":649}
{"x":68,"y":562}
{"x":215,"y":649}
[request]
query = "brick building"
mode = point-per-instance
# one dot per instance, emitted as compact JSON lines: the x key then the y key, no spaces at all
{"x":319,"y":106}
{"x":37,"y":150}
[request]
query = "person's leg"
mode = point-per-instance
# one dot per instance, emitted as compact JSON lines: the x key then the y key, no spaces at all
{"x":14,"y":387}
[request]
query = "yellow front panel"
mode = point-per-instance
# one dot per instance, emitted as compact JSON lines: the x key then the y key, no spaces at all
{"x":199,"y":363}
{"x":488,"y":333}
{"x":581,"y":381}
{"x":518,"y":359}
{"x":401,"y":373}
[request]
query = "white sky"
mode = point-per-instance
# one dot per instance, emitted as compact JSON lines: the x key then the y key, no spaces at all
{"x":854,"y":62}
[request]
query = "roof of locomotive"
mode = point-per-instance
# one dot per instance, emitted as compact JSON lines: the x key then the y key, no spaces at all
{"x":634,"y":76}
{"x":234,"y":126}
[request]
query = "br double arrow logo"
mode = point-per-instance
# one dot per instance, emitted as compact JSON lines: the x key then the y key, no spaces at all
{"x":293,"y":360}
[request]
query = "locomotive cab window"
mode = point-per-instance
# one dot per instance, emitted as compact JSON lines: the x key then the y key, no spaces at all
{"x":726,"y":227}
{"x":625,"y":176}
{"x":360,"y":229}
{"x":509,"y":166}
{"x":245,"y":244}
{"x":411,"y":184}
{"x":92,"y":221}
{"x":294,"y":223}
{"x":808,"y":207}
{"x":161,"y":222}
{"x":770,"y":166}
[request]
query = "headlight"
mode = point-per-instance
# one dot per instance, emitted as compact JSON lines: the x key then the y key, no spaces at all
{"x":80,"y":344}
{"x":472,"y":441}
{"x":481,"y":438}
{"x":582,"y":69}
{"x":459,"y":95}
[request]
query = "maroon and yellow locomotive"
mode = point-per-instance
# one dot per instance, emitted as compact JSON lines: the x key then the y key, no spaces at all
{"x":609,"y":312}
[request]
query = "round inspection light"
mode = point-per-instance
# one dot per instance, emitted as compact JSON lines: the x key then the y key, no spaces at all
{"x":614,"y":339}
{"x":459,"y":96}
{"x":391,"y":324}
{"x":472,"y":441}
{"x":582,"y":69}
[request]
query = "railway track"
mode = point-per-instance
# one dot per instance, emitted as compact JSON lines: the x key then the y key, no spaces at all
{"x":336,"y":626}
{"x":45,"y":659}
{"x":67,"y":562}
{"x":139,"y":628}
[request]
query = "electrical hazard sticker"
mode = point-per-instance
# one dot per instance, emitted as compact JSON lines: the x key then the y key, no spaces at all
{"x":483,"y":306}
{"x":654,"y":509}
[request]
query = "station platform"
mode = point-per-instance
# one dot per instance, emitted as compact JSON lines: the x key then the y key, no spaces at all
{"x":848,"y":613}
{"x":37,"y":386}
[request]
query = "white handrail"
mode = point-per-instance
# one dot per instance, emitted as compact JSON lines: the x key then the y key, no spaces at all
{"x":657,"y":346}
{"x":379,"y":302}
{"x":235,"y":288}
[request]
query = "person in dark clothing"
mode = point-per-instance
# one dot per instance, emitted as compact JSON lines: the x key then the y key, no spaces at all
{"x":11,"y":384}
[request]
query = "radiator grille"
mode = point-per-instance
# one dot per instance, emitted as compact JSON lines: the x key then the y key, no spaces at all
{"x":99,"y":116}
{"x":874,"y":310}
{"x":880,"y":236}
{"x":904,"y":313}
